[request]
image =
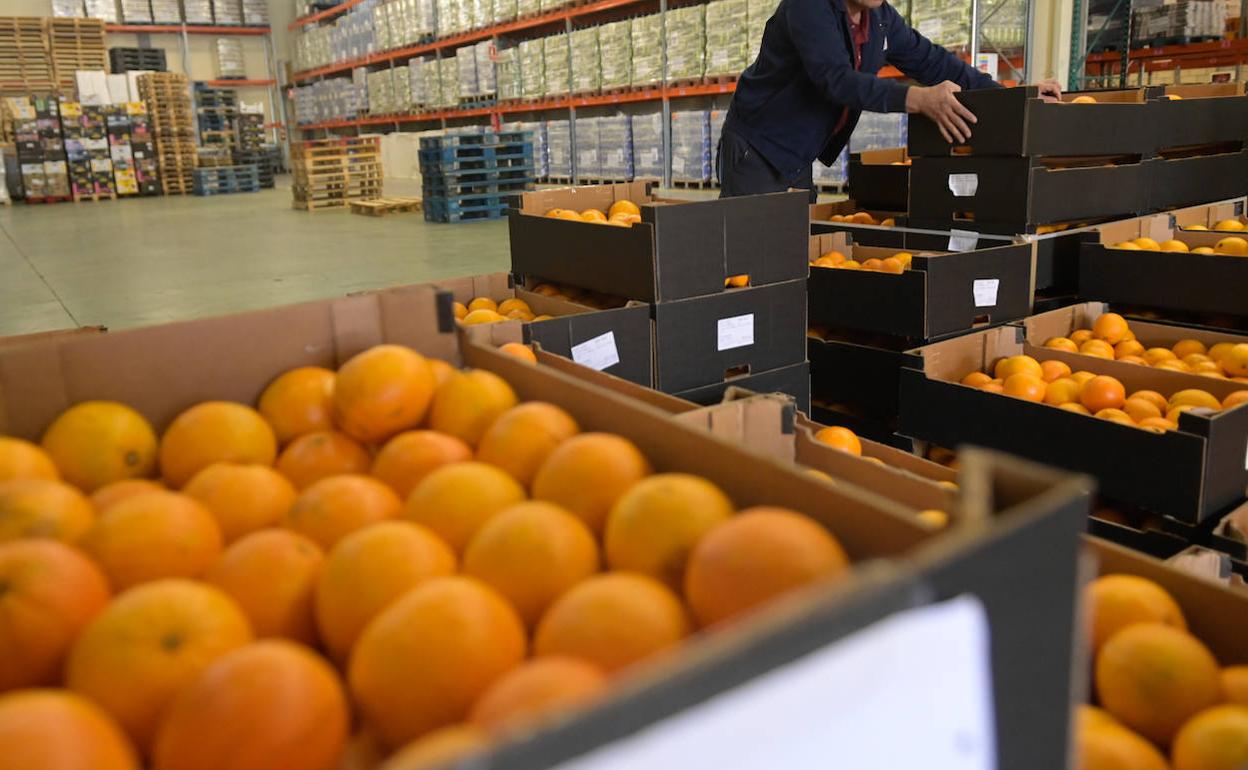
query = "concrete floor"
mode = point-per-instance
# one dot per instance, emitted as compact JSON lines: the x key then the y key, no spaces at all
{"x":150,"y":260}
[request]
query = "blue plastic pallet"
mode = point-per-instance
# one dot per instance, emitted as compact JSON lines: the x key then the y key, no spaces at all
{"x":435,"y":189}
{"x":466,"y":175}
{"x":484,"y":138}
{"x":225,"y":190}
{"x":450,"y":156}
{"x":450,"y":211}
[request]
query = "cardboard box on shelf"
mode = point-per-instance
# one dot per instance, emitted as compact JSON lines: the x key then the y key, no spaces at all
{"x":940,"y":294}
{"x":679,"y":249}
{"x":1191,"y":473}
{"x":880,"y":179}
{"x":1016,"y":518}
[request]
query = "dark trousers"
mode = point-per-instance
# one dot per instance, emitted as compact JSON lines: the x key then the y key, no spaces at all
{"x":742,"y":171}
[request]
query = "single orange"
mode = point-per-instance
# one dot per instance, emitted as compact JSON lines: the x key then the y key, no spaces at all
{"x":382,"y":391}
{"x":272,"y":575}
{"x":242,"y":498}
{"x":1114,"y":602}
{"x":1235,"y":684}
{"x":521,"y":439}
{"x":455,"y":500}
{"x":1074,"y":406}
{"x":1081,"y":336}
{"x":319,"y":454}
{"x":36,"y":507}
{"x":1128,"y":348}
{"x":20,"y":459}
{"x":587,"y":473}
{"x":1155,"y":356}
{"x":468,"y":403}
{"x":410,"y":456}
{"x":976,"y":379}
{"x":152,"y":536}
{"x":1235,"y":399}
{"x":97,"y":442}
{"x":213,"y":432}
{"x":522,"y":352}
{"x":840,"y":438}
{"x":1062,"y":391}
{"x":120,"y":490}
{"x":1098,"y":348}
{"x":1110,"y":746}
{"x":1196,"y":397}
{"x":872,"y":264}
{"x":1017,"y":364}
{"x":58,"y":730}
{"x":1173,"y":245}
{"x":1062,"y":343}
{"x":460,"y":310}
{"x":1053,"y":370}
{"x":1025,"y":386}
{"x":482,"y":303}
{"x":1110,"y":327}
{"x":436,"y":749}
{"x":1103,"y":392}
{"x":1157,"y":424}
{"x":1184,"y":348}
{"x":336,"y":506}
{"x":299,"y":401}
{"x":535,"y":690}
{"x":1140,"y":409}
{"x":1153,"y":397}
{"x":1115,"y":415}
{"x":1147,"y":244}
{"x":1214,"y":739}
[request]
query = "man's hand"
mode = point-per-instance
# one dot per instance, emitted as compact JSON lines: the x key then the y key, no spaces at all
{"x":939,"y":103}
{"x":1050,"y":89}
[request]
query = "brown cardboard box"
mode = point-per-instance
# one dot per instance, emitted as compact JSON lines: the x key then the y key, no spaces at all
{"x":15,"y":340}
{"x":1064,"y":321}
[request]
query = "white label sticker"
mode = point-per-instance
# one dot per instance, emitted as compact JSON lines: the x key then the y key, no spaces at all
{"x":963,"y":240}
{"x":928,"y":668}
{"x":963,"y":185}
{"x":598,"y":353}
{"x":985,"y":291}
{"x":736,"y":332}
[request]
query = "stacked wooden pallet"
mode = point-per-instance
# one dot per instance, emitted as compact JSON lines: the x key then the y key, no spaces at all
{"x":169,"y":109}
{"x":75,"y":44}
{"x":25,"y":64}
{"x":329,"y":173}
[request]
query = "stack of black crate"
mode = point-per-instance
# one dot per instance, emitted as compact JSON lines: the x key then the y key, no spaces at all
{"x":143,"y":149}
{"x":251,"y":149}
{"x":725,"y":281}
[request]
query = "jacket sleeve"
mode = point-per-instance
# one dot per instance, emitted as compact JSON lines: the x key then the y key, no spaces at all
{"x":924,"y":61}
{"x":817,"y":35}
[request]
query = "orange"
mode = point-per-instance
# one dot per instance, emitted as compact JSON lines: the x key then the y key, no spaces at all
{"x":1202,"y":399}
{"x":1235,"y":399}
{"x":242,"y":498}
{"x":298,"y":401}
{"x":658,"y":522}
{"x":424,"y":661}
{"x":1102,"y":392}
{"x":50,"y":592}
{"x":1137,"y":360}
{"x":1110,"y":746}
{"x":1091,"y":716}
{"x":1153,"y":397}
{"x":482,"y":303}
{"x":628,"y":220}
{"x":545,"y":289}
{"x":850,"y":264}
{"x":933,"y":518}
{"x":43,"y":508}
{"x":976,"y":379}
{"x":1053,"y":370}
{"x":522,"y":352}
{"x":514,"y":303}
{"x":587,"y":473}
{"x":593,"y":215}
{"x":840,"y":438}
{"x":1110,"y":327}
{"x":904,"y":257}
{"x":96,"y":442}
{"x":1025,"y":386}
{"x":524,"y":316}
{"x":482,"y":317}
{"x":147,"y":645}
{"x":1214,"y":739}
{"x":1235,"y":360}
{"x":1153,"y":678}
{"x":1157,"y":424}
{"x":1017,"y":364}
{"x":1126,"y":245}
{"x":1194,"y":359}
{"x":1233,"y":225}
{"x":891,"y":265}
{"x":1115,"y":415}
{"x":152,"y":536}
{"x":120,"y":490}
{"x":1083,"y":100}
{"x":993,"y":387}
{"x":1235,"y":684}
{"x":1062,"y":343}
{"x":1208,"y":369}
{"x":334,"y":507}
{"x":20,"y":459}
{"x":268,"y":705}
{"x":442,"y":371}
{"x":381,"y":391}
{"x":1140,"y":409}
{"x":830,"y":259}
{"x":862,"y":218}
{"x":213,"y":432}
{"x":1114,"y":602}
{"x":613,"y":621}
{"x":536,"y":690}
{"x":316,"y":455}
{"x":1146,"y":243}
{"x":532,"y":553}
{"x":369,"y":570}
{"x":1061,"y":391}
{"x":1173,"y":245}
{"x":1128,"y":348}
{"x":1220,"y":349}
{"x":1234,"y":246}
{"x":1074,"y":406}
{"x":456,"y":499}
{"x":872,"y":264}
{"x":1184,"y":348}
{"x":272,"y":575}
{"x":1081,"y":336}
{"x":437,"y":749}
{"x":757,"y":555}
{"x":1203,"y":250}
{"x":58,"y":730}
{"x":460,"y":310}
{"x":1173,"y":365}
{"x":1173,"y":414}
{"x":623,"y":207}
{"x":521,"y":439}
{"x":1081,"y":377}
{"x":468,"y":403}
{"x":1098,"y":348}
{"x":410,"y":456}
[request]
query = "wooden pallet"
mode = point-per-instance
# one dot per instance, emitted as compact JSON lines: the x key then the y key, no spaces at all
{"x":380,"y":207}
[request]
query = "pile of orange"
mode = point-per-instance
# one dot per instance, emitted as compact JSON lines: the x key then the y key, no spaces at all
{"x":1111,"y":338}
{"x":396,"y":557}
{"x":623,"y":213}
{"x":1230,"y":246}
{"x":1161,"y":691}
{"x":483,"y":310}
{"x":1052,"y":382}
{"x":896,"y":264}
{"x":1224,"y":226}
{"x":864,"y":217}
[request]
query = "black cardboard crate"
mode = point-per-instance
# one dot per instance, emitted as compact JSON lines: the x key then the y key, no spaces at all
{"x":1197,"y":179}
{"x":861,"y":373}
{"x":1204,"y":114}
{"x":708,"y":340}
{"x":1012,"y":196}
{"x":792,"y":380}
{"x":1017,"y":122}
{"x":871,"y":235}
{"x":880,"y":179}
{"x":940,"y":294}
{"x":875,"y":428}
{"x":1189,"y":474}
{"x":679,"y":249}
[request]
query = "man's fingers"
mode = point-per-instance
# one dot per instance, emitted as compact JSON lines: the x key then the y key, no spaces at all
{"x":950,"y":130}
{"x":945,"y":132}
{"x":960,"y":109}
{"x":963,"y":130}
{"x":952,"y":86}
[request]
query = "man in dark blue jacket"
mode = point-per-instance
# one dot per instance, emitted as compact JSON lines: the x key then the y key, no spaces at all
{"x":814,"y":76}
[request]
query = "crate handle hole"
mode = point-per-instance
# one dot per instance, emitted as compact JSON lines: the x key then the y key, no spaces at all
{"x":736,"y":371}
{"x":981,"y":320}
{"x":964,"y":216}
